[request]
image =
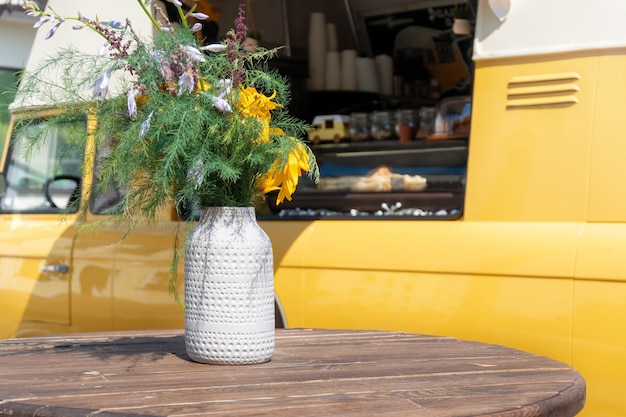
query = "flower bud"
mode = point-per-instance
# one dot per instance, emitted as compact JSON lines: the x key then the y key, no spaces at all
{"x":52,"y":31}
{"x":214,"y":47}
{"x":41,"y":21}
{"x":200,"y":16}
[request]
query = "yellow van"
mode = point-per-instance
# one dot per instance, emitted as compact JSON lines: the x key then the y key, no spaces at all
{"x":515,"y":236}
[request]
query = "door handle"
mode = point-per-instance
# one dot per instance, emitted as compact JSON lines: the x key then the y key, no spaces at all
{"x":61,"y":269}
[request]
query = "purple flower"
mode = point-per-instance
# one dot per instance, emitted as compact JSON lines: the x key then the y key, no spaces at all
{"x":240,"y":24}
{"x":167,"y":72}
{"x":115,"y":24}
{"x":52,"y":31}
{"x":41,"y":21}
{"x":196,"y":27}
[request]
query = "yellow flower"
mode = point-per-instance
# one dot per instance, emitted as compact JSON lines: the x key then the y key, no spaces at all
{"x":202,"y":84}
{"x":285,"y":177}
{"x":254,"y":104}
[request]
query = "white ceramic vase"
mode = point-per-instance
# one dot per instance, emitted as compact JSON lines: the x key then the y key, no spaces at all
{"x":229,"y":289}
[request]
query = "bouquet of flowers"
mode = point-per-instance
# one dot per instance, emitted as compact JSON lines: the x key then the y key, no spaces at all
{"x":206,"y":124}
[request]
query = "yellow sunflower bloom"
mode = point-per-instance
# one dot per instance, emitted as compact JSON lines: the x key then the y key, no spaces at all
{"x":285,"y":177}
{"x":254,"y":104}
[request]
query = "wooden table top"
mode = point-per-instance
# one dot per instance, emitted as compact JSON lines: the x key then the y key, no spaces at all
{"x":312,"y":373}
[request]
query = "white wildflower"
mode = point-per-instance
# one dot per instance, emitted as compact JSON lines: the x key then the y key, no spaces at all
{"x":145,"y":126}
{"x":194,"y":53}
{"x":196,"y":174}
{"x":200,"y":16}
{"x":222,"y":105}
{"x":131,"y":103}
{"x":185,"y":83}
{"x":224,"y":87}
{"x":214,"y":47}
{"x":101,"y":87}
{"x":103,"y":49}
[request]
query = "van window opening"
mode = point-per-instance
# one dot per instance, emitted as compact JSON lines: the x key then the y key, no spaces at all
{"x":401,"y":154}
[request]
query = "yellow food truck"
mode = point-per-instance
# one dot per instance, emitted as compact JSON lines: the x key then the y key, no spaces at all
{"x":504,"y":221}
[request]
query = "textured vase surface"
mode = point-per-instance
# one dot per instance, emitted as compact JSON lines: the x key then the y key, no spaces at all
{"x":229,"y":289}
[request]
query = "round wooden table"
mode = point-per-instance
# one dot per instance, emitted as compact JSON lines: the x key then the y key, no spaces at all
{"x":313,"y":373}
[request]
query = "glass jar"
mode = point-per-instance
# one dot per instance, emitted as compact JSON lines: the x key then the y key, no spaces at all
{"x":382,"y":125}
{"x":359,"y":126}
{"x":407,"y":122}
{"x":427,"y":118}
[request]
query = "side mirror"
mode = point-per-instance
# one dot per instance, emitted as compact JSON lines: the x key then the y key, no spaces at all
{"x":63,"y":191}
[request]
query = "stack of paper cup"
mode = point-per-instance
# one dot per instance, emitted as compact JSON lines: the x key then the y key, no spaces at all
{"x":384,"y":69}
{"x":348,"y":70}
{"x":333,"y":71}
{"x":317,"y":50}
{"x":331,"y":37}
{"x":366,"y":74}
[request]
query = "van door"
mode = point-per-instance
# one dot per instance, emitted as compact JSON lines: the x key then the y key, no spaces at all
{"x":121,"y":281}
{"x":35,"y":244}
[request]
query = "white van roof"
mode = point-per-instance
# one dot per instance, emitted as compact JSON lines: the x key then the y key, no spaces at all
{"x":534,"y":27}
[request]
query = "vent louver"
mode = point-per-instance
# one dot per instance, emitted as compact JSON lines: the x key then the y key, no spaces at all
{"x":543,"y":91}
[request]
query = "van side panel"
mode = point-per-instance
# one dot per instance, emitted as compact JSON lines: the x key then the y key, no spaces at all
{"x":599,"y":343}
{"x":599,"y":334}
{"x":607,"y":192}
{"x":530,"y":139}
{"x":507,"y":283}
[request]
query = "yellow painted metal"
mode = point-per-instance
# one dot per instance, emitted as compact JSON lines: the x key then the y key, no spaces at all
{"x":607,"y":194}
{"x":30,"y":294}
{"x":500,"y":282}
{"x":532,"y":163}
{"x":599,"y":344}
